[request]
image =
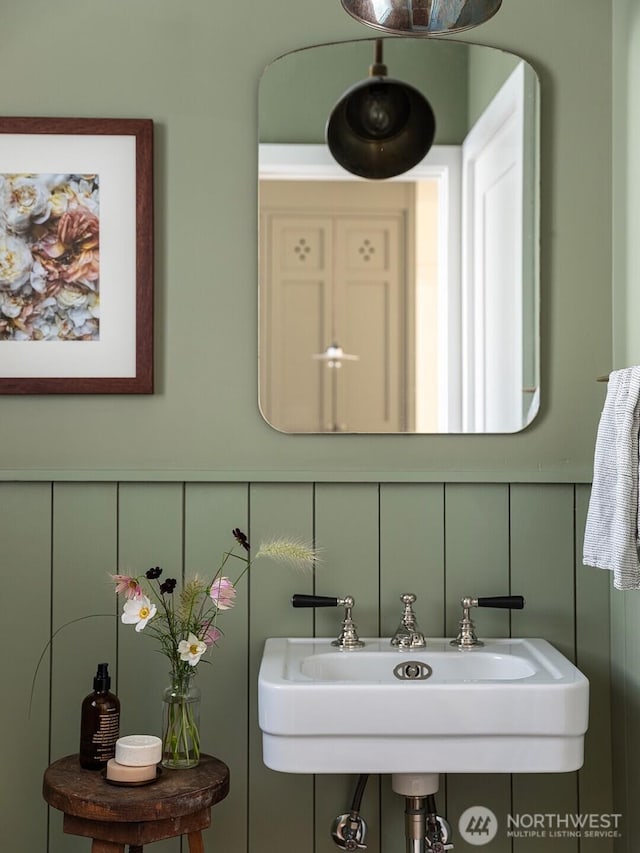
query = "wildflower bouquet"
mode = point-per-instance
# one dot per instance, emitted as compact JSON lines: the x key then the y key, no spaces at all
{"x":185,"y":625}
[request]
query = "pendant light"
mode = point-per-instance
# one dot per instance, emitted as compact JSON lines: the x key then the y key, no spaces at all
{"x":422,"y":17}
{"x":380,"y":127}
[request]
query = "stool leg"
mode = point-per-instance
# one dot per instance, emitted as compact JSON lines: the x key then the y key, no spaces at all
{"x":106,"y":847}
{"x":195,"y":842}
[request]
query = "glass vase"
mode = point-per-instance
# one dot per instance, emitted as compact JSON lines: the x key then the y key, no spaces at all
{"x":181,"y":723}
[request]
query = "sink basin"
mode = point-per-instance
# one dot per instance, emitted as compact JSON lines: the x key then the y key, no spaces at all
{"x":511,"y":706}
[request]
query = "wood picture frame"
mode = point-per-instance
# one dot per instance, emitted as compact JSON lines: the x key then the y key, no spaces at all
{"x":76,"y":256}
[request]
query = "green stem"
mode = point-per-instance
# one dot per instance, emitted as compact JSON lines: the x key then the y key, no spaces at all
{"x":51,"y":638}
{"x":181,"y":737}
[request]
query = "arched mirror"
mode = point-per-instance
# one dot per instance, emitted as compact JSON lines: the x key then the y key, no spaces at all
{"x":408,"y":305}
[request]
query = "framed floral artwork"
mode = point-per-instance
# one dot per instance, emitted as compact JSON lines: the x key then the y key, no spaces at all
{"x":76,"y":256}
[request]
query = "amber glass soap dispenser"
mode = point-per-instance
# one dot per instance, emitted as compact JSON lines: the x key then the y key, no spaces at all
{"x":99,"y":722}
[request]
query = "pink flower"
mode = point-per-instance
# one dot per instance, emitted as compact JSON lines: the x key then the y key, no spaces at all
{"x":71,"y":252}
{"x":223,"y":593}
{"x":128,"y":585}
{"x":212,"y":635}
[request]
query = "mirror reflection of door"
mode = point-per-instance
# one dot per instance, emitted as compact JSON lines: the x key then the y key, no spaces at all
{"x":497,"y":386}
{"x":456,"y":348}
{"x":340,"y":267}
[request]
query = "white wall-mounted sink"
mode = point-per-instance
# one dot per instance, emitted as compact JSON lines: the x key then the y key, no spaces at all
{"x":514,"y":705}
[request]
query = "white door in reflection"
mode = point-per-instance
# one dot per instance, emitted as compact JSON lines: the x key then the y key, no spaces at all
{"x":495,"y":398}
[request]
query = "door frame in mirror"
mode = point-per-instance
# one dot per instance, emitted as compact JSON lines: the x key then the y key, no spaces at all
{"x":443,"y":163}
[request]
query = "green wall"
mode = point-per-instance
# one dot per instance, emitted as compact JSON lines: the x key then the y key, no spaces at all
{"x":195,"y":68}
{"x":95,"y":484}
{"x":625,"y":606}
{"x":487,"y":73}
{"x":299,"y":91}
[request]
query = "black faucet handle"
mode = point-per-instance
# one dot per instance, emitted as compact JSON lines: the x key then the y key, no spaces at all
{"x":301,"y":600}
{"x":348,"y":637}
{"x":506,"y":602}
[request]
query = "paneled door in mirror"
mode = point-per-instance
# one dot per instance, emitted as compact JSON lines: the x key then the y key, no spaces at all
{"x":407,"y":305}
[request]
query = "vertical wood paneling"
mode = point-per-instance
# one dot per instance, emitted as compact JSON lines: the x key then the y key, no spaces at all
{"x":631,"y":818}
{"x":347,"y":526}
{"x":477,"y":553}
{"x":84,"y":554}
{"x":592,"y":656}
{"x":280,"y":806}
{"x":212,"y":511}
{"x":438,"y":541}
{"x":25,"y":534}
{"x":150,"y":524}
{"x":477,"y":563}
{"x":412,"y":555}
{"x":542,"y":569}
{"x":411,"y":560}
{"x":622,"y":795}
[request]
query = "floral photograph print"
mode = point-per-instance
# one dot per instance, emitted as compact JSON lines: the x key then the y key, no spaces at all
{"x":49,"y":257}
{"x":76,"y":256}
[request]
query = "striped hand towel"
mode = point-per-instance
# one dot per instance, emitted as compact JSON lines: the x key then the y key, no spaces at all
{"x":611,"y":533}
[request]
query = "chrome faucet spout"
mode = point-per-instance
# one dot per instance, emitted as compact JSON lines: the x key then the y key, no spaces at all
{"x":408,"y":635}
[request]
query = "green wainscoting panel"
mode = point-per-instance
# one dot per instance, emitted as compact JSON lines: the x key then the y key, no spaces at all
{"x":542,"y":563}
{"x":477,"y":563}
{"x":377,"y":541}
{"x":592,"y":656}
{"x":412,"y":555}
{"x":347,"y":528}
{"x":477,"y":553}
{"x":150,"y":533}
{"x":280,"y":806}
{"x":212,"y":511}
{"x":623,"y":796}
{"x":542,"y":569}
{"x":347,"y":525}
{"x":631,"y":819}
{"x":84,"y":554}
{"x":25,"y":534}
{"x":411,"y":560}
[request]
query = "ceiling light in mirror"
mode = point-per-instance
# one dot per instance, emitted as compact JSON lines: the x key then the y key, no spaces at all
{"x":380,"y":127}
{"x":430,"y":278}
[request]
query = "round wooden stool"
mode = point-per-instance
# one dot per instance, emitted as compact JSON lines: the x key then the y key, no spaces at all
{"x":179,"y":803}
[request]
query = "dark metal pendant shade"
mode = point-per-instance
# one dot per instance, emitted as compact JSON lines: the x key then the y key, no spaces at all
{"x":422,"y":16}
{"x":380,"y":127}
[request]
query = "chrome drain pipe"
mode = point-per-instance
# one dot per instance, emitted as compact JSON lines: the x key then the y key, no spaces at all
{"x":425,"y":831}
{"x":415,"y":824}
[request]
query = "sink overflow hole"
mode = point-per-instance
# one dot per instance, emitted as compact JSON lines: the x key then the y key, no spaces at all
{"x":412,"y":670}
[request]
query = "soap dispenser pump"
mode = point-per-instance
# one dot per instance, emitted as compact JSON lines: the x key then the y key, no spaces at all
{"x":99,"y":722}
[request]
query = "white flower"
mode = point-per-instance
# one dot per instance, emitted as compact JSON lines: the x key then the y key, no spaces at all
{"x":38,"y":276}
{"x":72,"y":297}
{"x":15,"y":262}
{"x":26,"y":200}
{"x":78,"y":191}
{"x":192,"y":649}
{"x":138,"y":611}
{"x":86,"y":193}
{"x":11,"y":306}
